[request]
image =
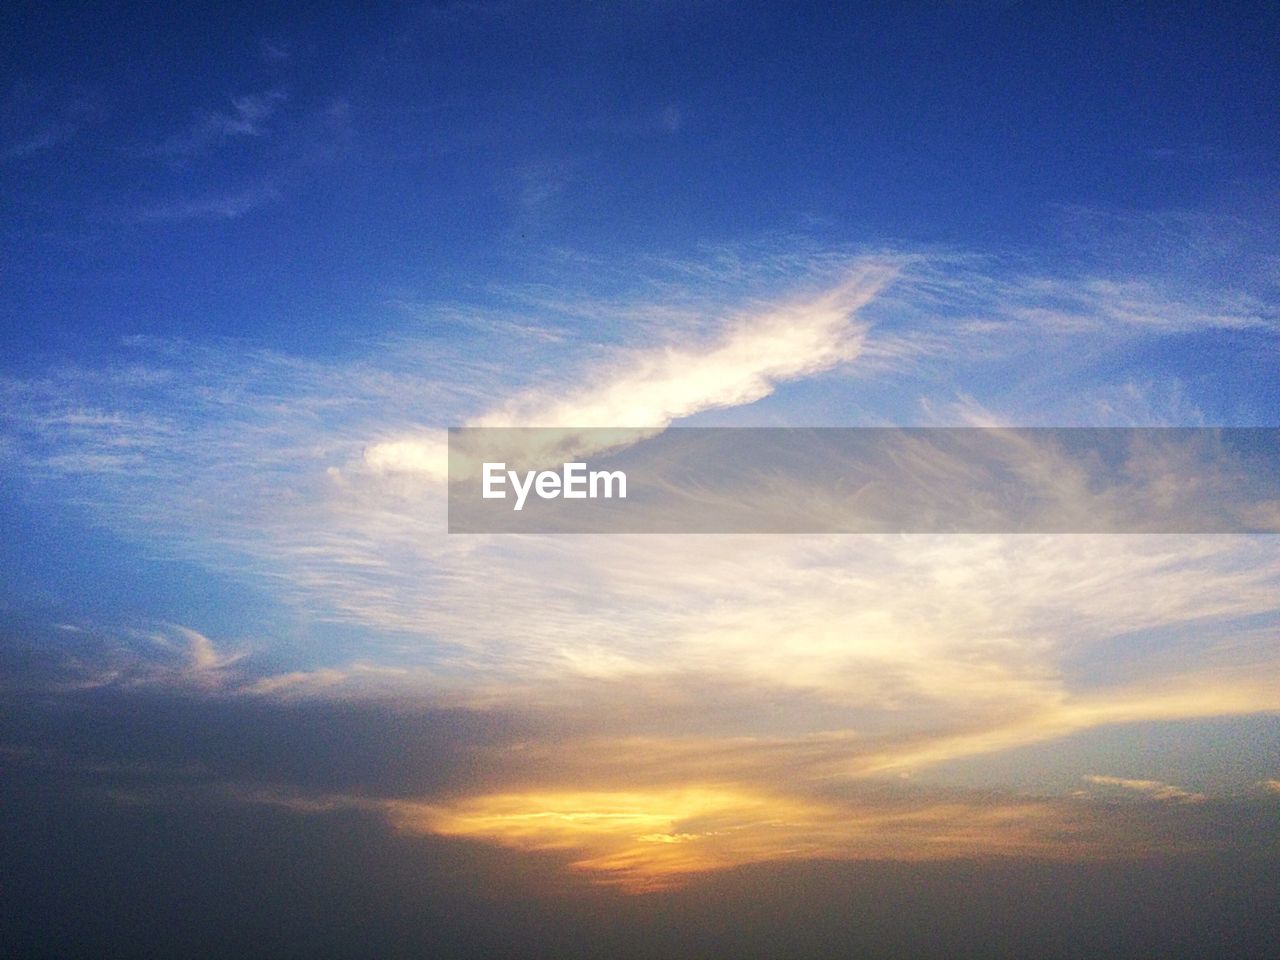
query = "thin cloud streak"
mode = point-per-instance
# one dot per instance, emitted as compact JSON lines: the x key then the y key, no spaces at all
{"x":223,"y":206}
{"x":248,"y":117}
{"x":1150,"y":788}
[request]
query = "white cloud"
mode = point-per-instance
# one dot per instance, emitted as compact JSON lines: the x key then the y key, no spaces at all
{"x":429,"y":456}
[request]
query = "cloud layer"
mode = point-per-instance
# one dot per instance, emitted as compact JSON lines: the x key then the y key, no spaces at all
{"x":691,"y":682}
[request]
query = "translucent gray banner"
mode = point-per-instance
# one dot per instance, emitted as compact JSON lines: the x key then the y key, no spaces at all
{"x":864,"y":480}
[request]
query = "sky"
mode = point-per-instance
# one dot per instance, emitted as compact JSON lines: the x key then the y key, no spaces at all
{"x":257,"y":701}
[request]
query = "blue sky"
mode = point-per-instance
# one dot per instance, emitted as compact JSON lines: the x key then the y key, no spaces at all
{"x":290,"y":177}
{"x":258,"y":258}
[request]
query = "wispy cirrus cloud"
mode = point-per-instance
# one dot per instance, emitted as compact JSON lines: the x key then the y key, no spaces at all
{"x":45,"y":137}
{"x":353,"y":436}
{"x":215,"y":206}
{"x":36,"y":118}
{"x":170,"y":657}
{"x":1103,"y":305}
{"x":272,"y":51}
{"x":249,"y":116}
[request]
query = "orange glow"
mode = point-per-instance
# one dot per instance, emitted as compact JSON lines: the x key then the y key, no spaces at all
{"x":643,"y":841}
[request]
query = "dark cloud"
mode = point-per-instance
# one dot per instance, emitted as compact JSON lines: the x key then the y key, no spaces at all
{"x":144,"y":822}
{"x":90,"y":874}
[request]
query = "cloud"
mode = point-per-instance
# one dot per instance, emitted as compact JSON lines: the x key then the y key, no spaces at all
{"x":1153,"y":789}
{"x":641,"y":815}
{"x":540,"y":186}
{"x":34,"y":119}
{"x":248,"y":117}
{"x":272,"y":52}
{"x":761,"y":660}
{"x":429,"y":456}
{"x":173,"y":657}
{"x":296,"y":681}
{"x":220,"y":206}
{"x":247,"y":791}
{"x":648,"y":840}
{"x":651,"y":386}
{"x":1105,"y":305}
{"x":957,"y":309}
{"x":42,"y":139}
{"x":671,"y":118}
